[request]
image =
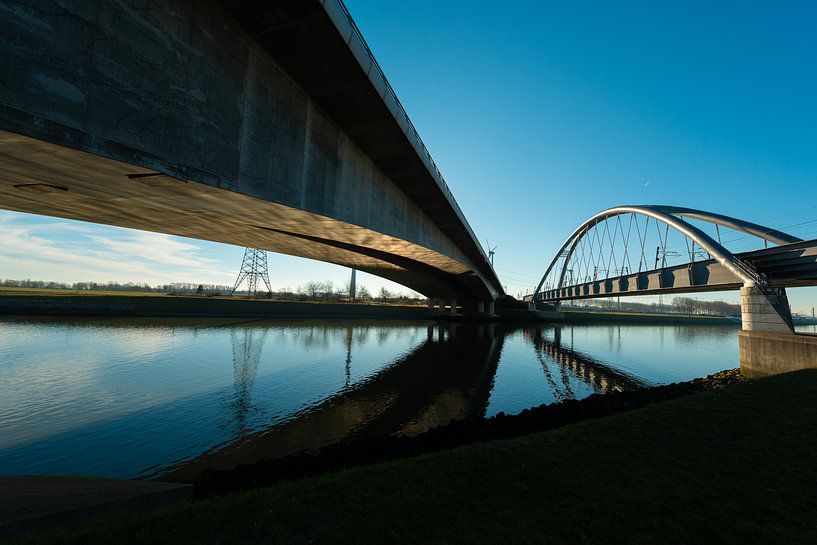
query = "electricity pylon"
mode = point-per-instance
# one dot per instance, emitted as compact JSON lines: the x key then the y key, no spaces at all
{"x":253,"y":267}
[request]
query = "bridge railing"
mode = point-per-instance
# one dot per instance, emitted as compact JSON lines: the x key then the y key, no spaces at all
{"x":750,"y":271}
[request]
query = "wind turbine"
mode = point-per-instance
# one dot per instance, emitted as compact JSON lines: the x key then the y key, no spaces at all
{"x":491,"y":252}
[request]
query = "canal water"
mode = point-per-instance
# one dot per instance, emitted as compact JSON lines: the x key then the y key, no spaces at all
{"x":139,"y":398}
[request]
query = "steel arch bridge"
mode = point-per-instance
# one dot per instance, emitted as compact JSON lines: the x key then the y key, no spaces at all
{"x":610,"y":254}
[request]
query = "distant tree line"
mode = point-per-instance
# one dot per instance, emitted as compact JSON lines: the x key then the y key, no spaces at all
{"x":106,"y":286}
{"x":328,"y":292}
{"x":678,"y":305}
{"x":172,"y":288}
{"x":311,"y":291}
{"x":687,"y":305}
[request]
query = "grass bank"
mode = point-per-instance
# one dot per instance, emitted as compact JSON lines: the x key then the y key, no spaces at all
{"x":730,"y":466}
{"x":597,"y":316}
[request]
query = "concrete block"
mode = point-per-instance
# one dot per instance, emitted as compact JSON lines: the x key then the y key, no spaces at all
{"x":765,"y":353}
{"x":759,"y":314}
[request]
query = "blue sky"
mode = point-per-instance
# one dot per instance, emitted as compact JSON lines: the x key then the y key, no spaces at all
{"x":540,"y":114}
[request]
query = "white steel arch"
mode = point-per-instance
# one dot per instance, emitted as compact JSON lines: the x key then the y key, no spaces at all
{"x":673,"y":216}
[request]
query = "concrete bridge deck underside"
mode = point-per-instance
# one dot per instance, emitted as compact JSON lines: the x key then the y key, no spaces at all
{"x":41,"y":178}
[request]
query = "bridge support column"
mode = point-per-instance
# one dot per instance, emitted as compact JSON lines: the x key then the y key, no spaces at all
{"x":453,"y":309}
{"x":761,"y":311}
{"x":485,"y":308}
{"x":767,"y":341}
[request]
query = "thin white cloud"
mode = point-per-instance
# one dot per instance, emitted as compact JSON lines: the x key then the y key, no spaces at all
{"x":85,"y":255}
{"x":156,"y":247}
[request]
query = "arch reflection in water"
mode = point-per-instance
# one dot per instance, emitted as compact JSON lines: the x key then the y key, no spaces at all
{"x":601,"y":377}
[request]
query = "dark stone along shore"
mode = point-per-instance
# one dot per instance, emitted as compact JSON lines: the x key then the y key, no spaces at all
{"x":463,"y":432}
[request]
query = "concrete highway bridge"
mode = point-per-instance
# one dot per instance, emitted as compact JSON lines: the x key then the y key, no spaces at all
{"x":610,"y":255}
{"x":265,"y":124}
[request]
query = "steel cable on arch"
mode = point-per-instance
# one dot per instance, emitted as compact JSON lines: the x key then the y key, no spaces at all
{"x":671,"y":216}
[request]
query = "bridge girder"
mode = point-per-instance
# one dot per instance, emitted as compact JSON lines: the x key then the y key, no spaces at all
{"x":246,"y":123}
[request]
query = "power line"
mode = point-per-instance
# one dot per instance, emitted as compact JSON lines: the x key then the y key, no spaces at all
{"x":253,"y":269}
{"x":751,"y":237}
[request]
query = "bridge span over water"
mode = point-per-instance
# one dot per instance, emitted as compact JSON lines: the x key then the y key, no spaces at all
{"x":611,"y":255}
{"x":265,"y":124}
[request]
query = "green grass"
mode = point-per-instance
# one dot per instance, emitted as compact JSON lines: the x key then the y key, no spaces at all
{"x":650,"y":314}
{"x":48,"y":292}
{"x":732,"y":466}
{"x":65,"y":292}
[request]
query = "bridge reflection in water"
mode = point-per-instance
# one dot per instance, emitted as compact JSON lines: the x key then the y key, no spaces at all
{"x":567,"y":362}
{"x":138,"y":397}
{"x":446,"y":378}
{"x":247,"y":345}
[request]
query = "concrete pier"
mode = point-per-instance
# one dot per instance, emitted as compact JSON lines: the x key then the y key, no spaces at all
{"x":758,"y":312}
{"x":767,"y":341}
{"x":765,"y":353}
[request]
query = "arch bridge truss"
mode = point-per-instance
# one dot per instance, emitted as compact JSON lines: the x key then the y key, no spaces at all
{"x":652,"y":249}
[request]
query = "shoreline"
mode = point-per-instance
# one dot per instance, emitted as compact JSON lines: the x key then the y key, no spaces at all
{"x":464,"y":432}
{"x":658,"y":474}
{"x":171,"y":306}
{"x":190,"y":306}
{"x":587,"y":317}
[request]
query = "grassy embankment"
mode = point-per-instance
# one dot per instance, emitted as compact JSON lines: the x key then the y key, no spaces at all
{"x":730,"y":466}
{"x":45,"y":292}
{"x":276,"y":298}
{"x":53,"y":302}
{"x":581,"y":316}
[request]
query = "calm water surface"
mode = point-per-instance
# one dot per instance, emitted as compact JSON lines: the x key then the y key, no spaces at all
{"x":140,"y":398}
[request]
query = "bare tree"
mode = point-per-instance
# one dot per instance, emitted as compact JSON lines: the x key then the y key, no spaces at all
{"x":313,"y":289}
{"x":363,"y":293}
{"x":385,"y":294}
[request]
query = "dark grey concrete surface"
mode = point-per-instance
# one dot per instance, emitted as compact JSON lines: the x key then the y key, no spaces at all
{"x":29,"y":504}
{"x":241,"y":122}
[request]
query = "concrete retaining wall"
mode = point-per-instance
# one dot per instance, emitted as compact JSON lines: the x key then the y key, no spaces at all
{"x":763,"y":353}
